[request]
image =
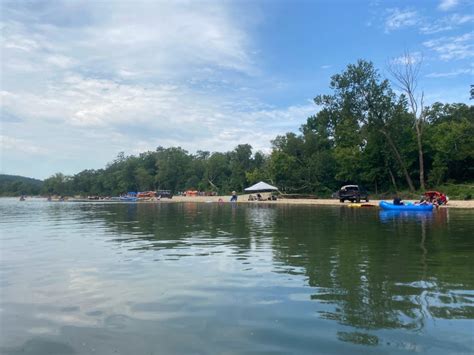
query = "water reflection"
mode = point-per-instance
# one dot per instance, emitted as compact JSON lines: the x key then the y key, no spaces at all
{"x":388,"y":215}
{"x":372,"y":278}
{"x":246,"y":274}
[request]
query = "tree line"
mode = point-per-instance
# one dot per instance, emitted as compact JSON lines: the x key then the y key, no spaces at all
{"x":14,"y":185}
{"x":364,"y":133}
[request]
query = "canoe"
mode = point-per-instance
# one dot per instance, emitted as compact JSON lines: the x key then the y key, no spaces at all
{"x":407,"y":207}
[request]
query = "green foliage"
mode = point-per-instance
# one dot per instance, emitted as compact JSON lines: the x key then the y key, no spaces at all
{"x":58,"y":184}
{"x":363,"y":134}
{"x":13,"y":185}
{"x":218,"y":171}
{"x":451,"y":143}
{"x":172,"y":166}
{"x":240,"y":162}
{"x":458,"y":191}
{"x":168,"y":169}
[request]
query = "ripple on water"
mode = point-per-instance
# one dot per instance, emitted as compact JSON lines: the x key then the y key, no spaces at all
{"x":201,"y":278}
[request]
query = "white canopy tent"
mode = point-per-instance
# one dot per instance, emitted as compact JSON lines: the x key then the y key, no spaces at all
{"x":261,"y":187}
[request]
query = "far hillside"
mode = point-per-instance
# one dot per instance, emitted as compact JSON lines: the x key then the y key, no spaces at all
{"x":14,"y":185}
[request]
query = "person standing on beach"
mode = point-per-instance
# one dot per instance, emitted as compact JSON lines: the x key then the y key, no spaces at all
{"x":234,"y":197}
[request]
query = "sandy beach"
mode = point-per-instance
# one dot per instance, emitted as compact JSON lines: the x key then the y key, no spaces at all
{"x":333,"y":202}
{"x":282,"y":201}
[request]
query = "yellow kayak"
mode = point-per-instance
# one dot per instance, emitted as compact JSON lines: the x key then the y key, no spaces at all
{"x":361,"y":205}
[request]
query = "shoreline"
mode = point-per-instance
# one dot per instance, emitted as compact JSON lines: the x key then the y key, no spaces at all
{"x":243,"y":199}
{"x":322,"y":202}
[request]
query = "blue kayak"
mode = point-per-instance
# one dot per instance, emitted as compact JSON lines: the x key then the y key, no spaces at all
{"x":407,"y":207}
{"x":128,"y":199}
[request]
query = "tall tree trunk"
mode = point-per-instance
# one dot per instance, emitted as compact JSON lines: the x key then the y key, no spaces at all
{"x":393,"y":179}
{"x":399,"y":159}
{"x":406,"y":74}
{"x":420,"y":154}
{"x":212,"y":184}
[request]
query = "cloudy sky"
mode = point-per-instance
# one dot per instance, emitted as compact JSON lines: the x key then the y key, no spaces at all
{"x":84,"y":80}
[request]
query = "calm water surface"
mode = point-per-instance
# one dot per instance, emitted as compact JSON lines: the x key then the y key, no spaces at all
{"x":186,"y":278}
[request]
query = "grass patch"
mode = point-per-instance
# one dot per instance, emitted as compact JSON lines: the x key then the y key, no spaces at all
{"x":453,"y":191}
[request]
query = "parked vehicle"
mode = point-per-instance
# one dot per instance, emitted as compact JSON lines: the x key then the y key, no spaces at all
{"x":164,"y":194}
{"x":352,"y":193}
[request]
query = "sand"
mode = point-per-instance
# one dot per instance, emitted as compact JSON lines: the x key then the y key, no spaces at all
{"x":332,"y":202}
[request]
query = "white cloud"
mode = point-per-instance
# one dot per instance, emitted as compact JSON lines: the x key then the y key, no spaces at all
{"x":81,"y":119}
{"x":410,"y":58}
{"x":172,"y":113}
{"x":12,"y":144}
{"x":430,"y":29}
{"x":451,"y":74}
{"x":446,"y":24}
{"x":141,"y":41}
{"x":398,"y":19}
{"x":446,"y":5}
{"x":60,"y":61}
{"x":456,"y":47}
{"x":460,"y":19}
{"x":455,"y":94}
{"x":86,"y":82}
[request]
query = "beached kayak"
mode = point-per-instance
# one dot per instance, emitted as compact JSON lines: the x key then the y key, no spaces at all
{"x":361,"y":205}
{"x":128,"y":199}
{"x":407,"y":207}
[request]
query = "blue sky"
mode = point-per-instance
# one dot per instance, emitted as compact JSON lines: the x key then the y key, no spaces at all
{"x":84,"y":80}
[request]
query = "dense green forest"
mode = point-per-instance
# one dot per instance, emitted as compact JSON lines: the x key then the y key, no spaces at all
{"x":19,"y":185}
{"x":364,"y":133}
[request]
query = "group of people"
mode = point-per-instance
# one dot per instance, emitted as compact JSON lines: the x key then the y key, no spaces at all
{"x":436,"y":200}
{"x":257,"y":197}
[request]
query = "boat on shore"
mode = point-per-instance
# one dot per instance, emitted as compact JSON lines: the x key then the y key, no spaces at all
{"x":146,"y":194}
{"x":361,"y":205}
{"x":125,"y":199}
{"x":406,"y":207}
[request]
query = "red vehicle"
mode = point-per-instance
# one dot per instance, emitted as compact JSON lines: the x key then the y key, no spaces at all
{"x":436,"y":197}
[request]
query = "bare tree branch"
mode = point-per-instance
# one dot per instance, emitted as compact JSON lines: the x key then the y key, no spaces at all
{"x":406,"y":70}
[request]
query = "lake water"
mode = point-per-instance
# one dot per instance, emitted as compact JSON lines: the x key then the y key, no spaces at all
{"x":188,"y":278}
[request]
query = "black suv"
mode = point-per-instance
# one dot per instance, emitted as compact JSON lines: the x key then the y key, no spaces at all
{"x":164,"y":194}
{"x":353,"y":193}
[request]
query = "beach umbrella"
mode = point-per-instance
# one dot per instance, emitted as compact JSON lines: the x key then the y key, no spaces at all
{"x":261,"y":187}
